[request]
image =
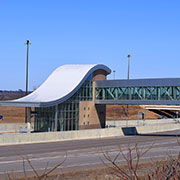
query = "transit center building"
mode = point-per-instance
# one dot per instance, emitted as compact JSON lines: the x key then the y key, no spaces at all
{"x":74,"y":97}
{"x":65,"y":101}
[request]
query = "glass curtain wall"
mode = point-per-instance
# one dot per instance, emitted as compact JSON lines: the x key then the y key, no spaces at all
{"x":68,"y":112}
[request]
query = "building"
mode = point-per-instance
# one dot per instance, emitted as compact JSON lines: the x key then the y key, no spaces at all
{"x":65,"y":101}
{"x":74,"y":97}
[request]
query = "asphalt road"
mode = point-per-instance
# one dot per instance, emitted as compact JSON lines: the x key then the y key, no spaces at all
{"x":83,"y":154}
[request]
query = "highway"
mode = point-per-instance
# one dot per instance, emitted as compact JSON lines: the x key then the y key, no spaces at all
{"x":83,"y":154}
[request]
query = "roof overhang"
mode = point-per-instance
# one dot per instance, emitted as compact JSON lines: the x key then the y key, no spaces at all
{"x":62,"y":84}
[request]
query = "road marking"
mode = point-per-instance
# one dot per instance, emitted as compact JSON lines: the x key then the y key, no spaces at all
{"x":79,"y":165}
{"x":32,"y":159}
{"x":95,"y":152}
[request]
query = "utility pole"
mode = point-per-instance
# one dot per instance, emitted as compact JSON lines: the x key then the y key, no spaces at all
{"x":27,"y":43}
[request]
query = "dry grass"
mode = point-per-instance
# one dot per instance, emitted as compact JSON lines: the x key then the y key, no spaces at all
{"x":105,"y":173}
{"x":119,"y":112}
{"x":101,"y":173}
{"x":12,"y":114}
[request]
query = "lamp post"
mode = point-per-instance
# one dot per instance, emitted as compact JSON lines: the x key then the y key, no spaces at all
{"x":128,"y":56}
{"x":27,"y":57}
{"x":114,"y":74}
{"x":27,"y":43}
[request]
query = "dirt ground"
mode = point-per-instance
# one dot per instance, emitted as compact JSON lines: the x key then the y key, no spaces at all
{"x":113,"y":112}
{"x":12,"y":114}
{"x":119,"y":112}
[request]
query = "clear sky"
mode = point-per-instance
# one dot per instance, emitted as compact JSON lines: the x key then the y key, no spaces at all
{"x":88,"y":31}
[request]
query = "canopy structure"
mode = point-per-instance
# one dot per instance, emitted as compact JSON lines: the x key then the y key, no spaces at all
{"x":59,"y":86}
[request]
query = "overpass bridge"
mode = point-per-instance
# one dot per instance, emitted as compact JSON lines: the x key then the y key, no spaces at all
{"x":164,"y":91}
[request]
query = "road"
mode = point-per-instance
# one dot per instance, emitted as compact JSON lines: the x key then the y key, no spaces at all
{"x":83,"y":154}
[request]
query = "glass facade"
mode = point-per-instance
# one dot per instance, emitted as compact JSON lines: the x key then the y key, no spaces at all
{"x":67,"y":112}
{"x":138,"y":93}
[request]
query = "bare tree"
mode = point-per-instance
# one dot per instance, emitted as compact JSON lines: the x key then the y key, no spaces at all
{"x":168,"y":170}
{"x":132,"y":159}
{"x":38,"y":175}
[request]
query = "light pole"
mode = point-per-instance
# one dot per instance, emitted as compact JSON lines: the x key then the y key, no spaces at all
{"x":27,"y":43}
{"x":128,"y":56}
{"x":114,"y":74}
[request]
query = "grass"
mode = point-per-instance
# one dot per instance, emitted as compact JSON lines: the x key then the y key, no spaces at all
{"x":106,"y":173}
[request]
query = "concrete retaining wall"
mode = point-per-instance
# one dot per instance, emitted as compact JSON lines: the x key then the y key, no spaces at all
{"x":157,"y":128}
{"x":123,"y":123}
{"x":12,"y":127}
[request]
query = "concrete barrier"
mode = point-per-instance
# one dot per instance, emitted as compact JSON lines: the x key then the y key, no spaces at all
{"x":21,"y":138}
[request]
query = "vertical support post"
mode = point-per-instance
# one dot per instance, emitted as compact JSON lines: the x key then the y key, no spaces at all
{"x":56,"y":117}
{"x":93,"y":91}
{"x":129,"y":91}
{"x":77,"y":116}
{"x":159,"y":93}
{"x":116,"y":93}
{"x":143,"y":93}
{"x":103,"y":93}
{"x":177,"y":114}
{"x":174,"y":93}
{"x":69,"y":117}
{"x":29,"y":119}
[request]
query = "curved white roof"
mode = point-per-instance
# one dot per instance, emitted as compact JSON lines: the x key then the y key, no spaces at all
{"x":58,"y":87}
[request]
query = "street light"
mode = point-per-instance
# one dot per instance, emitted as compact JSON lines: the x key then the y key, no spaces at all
{"x":27,"y":43}
{"x":114,"y":74}
{"x":129,"y":56}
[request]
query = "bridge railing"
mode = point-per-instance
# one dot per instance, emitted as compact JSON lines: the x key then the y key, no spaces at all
{"x":170,"y":93}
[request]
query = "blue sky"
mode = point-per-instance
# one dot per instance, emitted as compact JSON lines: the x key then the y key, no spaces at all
{"x":88,"y":31}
